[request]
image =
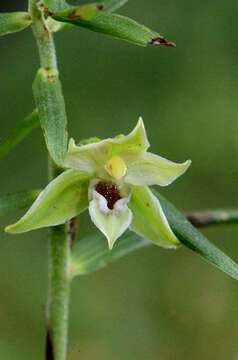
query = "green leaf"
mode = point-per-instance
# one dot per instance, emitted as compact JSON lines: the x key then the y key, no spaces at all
{"x":79,"y":13}
{"x":114,"y":25}
{"x":91,"y":254}
{"x":113,"y":5}
{"x":195,"y":240}
{"x":148,"y":218}
{"x":13,"y":22}
{"x":50,"y":103}
{"x":19,"y":133}
{"x":150,"y":169}
{"x":17,"y":201}
{"x":211,"y":218}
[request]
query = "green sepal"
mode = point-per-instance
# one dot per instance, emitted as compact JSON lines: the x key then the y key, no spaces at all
{"x":91,"y":140}
{"x":14,"y":22}
{"x":92,"y":157}
{"x":64,"y":197}
{"x":50,"y":103}
{"x":149,"y":220}
{"x":117,"y":26}
{"x":150,"y":169}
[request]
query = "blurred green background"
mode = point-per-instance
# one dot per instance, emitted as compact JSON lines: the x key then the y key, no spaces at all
{"x":153,"y":304}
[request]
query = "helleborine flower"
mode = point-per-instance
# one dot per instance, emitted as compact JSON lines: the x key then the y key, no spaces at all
{"x":111,"y":179}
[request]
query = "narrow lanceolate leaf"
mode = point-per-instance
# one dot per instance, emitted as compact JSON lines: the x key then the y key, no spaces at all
{"x":12,"y":202}
{"x":217,"y":217}
{"x":19,"y":133}
{"x":51,"y":107}
{"x":79,"y":13}
{"x":196,"y":241}
{"x":91,"y":254}
{"x":114,"y":25}
{"x":13,"y":22}
{"x":113,"y":5}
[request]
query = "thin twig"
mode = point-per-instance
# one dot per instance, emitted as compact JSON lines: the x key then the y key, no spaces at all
{"x":206,"y":218}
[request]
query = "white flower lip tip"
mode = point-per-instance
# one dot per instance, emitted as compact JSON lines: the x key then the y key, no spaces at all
{"x":111,"y":221}
{"x":111,"y":242}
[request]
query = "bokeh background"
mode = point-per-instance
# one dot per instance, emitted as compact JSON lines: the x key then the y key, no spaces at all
{"x":153,"y":304}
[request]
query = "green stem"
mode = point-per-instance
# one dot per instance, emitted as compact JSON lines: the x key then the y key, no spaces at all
{"x":206,"y":218}
{"x":60,"y":238}
{"x":44,"y":38}
{"x":59,"y":287}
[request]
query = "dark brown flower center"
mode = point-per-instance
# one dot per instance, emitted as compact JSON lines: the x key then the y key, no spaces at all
{"x":110,"y":191}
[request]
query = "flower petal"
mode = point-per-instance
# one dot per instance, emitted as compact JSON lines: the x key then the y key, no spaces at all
{"x":112,"y":223}
{"x":64,"y":197}
{"x":149,"y":220}
{"x":81,"y":157}
{"x":151,"y":169}
{"x":93,"y":157}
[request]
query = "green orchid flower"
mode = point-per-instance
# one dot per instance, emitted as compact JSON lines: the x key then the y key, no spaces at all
{"x":111,"y":178}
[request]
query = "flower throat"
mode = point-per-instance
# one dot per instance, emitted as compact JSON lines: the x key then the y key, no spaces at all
{"x":110,"y":191}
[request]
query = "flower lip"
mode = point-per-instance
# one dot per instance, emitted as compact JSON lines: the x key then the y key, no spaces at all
{"x":109,"y":191}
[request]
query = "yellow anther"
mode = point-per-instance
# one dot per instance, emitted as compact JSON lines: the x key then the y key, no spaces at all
{"x":116,"y":167}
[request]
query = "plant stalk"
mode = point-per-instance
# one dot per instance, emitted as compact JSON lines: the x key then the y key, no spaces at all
{"x":213,"y":217}
{"x":60,"y":237}
{"x":59,"y":291}
{"x":59,"y":287}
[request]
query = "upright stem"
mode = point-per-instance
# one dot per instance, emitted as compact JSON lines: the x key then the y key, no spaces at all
{"x":59,"y":288}
{"x":58,"y":301}
{"x":44,"y":38}
{"x":59,"y":249}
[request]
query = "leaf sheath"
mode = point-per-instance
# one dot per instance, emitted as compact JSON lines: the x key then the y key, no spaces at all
{"x":51,"y":106}
{"x":114,"y":25}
